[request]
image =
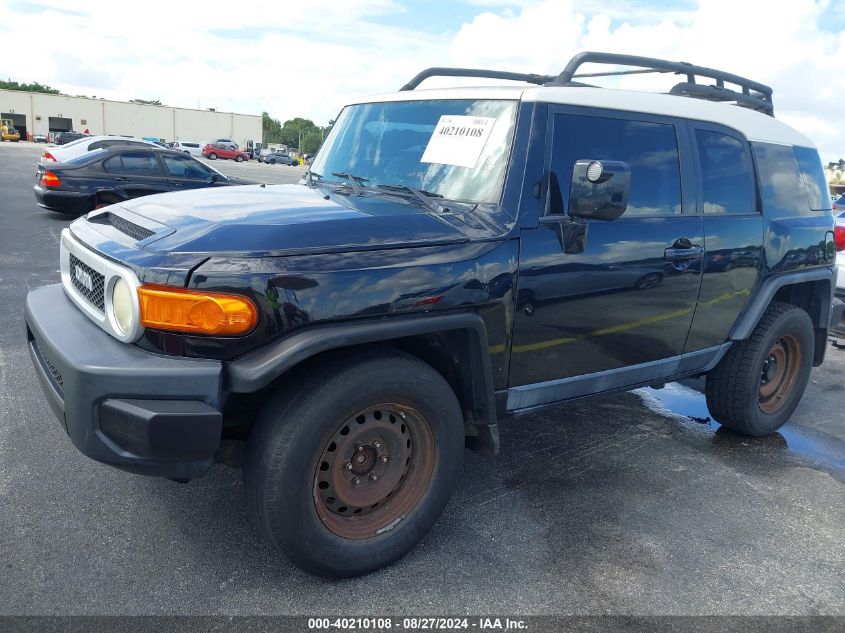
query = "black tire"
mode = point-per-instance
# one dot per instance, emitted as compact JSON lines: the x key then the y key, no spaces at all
{"x":104,"y":200}
{"x":239,"y":159}
{"x":744,"y":391}
{"x":272,"y":161}
{"x":212,"y":156}
{"x":297,"y":426}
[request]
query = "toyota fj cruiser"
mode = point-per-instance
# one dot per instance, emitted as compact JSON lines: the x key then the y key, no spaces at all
{"x":456,"y":256}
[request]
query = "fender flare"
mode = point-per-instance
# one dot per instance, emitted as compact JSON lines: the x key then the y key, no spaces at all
{"x":259,"y":368}
{"x":763,"y":297}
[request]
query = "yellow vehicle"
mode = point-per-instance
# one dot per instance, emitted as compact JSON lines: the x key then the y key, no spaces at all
{"x":8,"y":131}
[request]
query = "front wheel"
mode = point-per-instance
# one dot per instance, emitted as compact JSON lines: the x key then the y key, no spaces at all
{"x":212,"y":156}
{"x":351,"y":466}
{"x":757,"y":385}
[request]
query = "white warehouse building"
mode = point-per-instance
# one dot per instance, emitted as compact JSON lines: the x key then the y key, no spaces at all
{"x":38,"y":113}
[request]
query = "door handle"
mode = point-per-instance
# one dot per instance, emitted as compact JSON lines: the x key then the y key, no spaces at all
{"x":689,"y":252}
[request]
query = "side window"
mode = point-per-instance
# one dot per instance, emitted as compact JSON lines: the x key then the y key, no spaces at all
{"x":140,"y":164}
{"x":815,"y":183}
{"x":113,"y":164}
{"x":781,"y":182}
{"x":727,"y":177}
{"x":179,"y":167}
{"x":650,"y":149}
{"x":97,"y":145}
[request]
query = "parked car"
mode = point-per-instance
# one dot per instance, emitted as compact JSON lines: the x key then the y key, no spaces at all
{"x":839,"y":240}
{"x":348,"y":338}
{"x":109,"y":175}
{"x":213,"y":151}
{"x":63,"y":138}
{"x":839,"y":205}
{"x":194,"y":149}
{"x":39,"y":138}
{"x":278,"y":156}
{"x":86,"y":144}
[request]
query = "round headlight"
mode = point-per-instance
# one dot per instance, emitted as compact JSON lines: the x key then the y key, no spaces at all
{"x":121,"y":302}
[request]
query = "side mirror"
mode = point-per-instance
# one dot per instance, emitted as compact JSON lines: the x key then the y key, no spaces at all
{"x":599,"y":189}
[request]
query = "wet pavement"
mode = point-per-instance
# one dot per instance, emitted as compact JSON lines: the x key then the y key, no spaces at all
{"x":631,"y":503}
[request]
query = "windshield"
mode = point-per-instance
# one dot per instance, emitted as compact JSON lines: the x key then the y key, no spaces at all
{"x":457,"y":149}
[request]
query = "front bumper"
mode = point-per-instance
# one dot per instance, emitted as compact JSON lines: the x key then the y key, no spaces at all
{"x":141,"y":412}
{"x":63,"y":201}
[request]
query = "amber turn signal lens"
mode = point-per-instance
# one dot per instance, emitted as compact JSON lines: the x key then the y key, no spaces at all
{"x":49,"y":179}
{"x":180,"y":310}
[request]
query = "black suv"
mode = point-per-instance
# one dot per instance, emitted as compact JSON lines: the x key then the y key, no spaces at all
{"x":456,"y":256}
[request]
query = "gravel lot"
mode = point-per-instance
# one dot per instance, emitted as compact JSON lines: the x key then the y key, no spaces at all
{"x":617,"y":505}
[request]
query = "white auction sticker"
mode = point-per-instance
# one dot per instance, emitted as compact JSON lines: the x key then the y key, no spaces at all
{"x":458,"y":140}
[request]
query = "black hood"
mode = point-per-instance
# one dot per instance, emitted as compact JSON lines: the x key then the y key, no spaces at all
{"x":288,"y":219}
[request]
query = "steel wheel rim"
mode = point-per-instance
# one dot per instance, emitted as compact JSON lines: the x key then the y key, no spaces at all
{"x":779,"y":373}
{"x":373,"y":470}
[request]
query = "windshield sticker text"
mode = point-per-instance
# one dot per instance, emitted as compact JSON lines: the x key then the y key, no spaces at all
{"x":458,"y":140}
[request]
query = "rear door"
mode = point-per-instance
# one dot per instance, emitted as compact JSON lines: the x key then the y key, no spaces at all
{"x":137,"y":173}
{"x":733,"y":231}
{"x":184,"y":172}
{"x":601,"y":297}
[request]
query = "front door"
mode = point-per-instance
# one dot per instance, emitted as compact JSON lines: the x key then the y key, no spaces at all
{"x":598,"y":297}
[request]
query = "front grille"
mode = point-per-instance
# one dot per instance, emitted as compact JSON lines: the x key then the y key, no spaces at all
{"x":131,"y":229}
{"x":95,"y":294}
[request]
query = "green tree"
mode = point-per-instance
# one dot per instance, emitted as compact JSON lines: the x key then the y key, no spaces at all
{"x":271,"y":128}
{"x":33,"y":87}
{"x":311,"y":141}
{"x":295,"y":129}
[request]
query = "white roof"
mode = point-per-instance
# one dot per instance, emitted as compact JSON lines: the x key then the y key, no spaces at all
{"x":755,"y":126}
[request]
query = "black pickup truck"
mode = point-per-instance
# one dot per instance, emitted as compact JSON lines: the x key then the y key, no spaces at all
{"x":455,"y":256}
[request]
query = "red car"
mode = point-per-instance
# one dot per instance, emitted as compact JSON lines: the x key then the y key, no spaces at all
{"x":213,"y":151}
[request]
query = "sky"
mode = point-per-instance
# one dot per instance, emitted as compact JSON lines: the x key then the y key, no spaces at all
{"x":309,"y":57}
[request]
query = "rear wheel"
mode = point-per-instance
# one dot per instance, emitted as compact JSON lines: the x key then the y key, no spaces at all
{"x":239,"y":159}
{"x":351,"y":466}
{"x":104,"y":200}
{"x":757,"y":385}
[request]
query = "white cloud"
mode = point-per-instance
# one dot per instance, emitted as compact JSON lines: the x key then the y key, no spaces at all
{"x":308,"y":58}
{"x":781,"y":45}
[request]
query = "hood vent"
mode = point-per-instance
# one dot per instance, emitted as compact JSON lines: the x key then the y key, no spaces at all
{"x":131,"y":229}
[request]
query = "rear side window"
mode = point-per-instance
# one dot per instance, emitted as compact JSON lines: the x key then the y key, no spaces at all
{"x":650,"y":149}
{"x":727,"y":177}
{"x":812,"y":173}
{"x":781,"y":182}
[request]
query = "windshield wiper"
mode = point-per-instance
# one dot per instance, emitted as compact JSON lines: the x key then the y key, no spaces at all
{"x":310,"y":176}
{"x":426,"y":197}
{"x":355,"y":181}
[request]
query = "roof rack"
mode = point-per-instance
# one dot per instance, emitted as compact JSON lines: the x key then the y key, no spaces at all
{"x":751,"y":94}
{"x":475,"y":72}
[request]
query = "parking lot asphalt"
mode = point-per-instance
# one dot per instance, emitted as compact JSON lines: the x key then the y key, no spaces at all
{"x":626,"y":504}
